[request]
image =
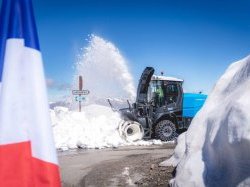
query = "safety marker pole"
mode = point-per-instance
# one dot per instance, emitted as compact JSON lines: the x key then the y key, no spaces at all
{"x":80,"y":93}
{"x":80,"y":88}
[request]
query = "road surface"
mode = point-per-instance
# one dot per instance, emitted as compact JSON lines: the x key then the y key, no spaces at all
{"x":123,"y":166}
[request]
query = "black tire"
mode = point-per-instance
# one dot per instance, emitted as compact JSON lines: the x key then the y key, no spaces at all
{"x":165,"y":130}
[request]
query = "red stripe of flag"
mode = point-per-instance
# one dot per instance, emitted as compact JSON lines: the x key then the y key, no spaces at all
{"x":28,"y":171}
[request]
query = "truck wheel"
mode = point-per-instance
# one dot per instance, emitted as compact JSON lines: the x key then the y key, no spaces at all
{"x":165,"y":130}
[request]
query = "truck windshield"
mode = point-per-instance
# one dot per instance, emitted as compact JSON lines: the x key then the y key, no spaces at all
{"x":156,"y":92}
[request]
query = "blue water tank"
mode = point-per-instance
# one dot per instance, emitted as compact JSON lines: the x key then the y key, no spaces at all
{"x":192,"y":103}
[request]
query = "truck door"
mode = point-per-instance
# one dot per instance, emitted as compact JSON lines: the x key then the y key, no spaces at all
{"x":172,"y":95}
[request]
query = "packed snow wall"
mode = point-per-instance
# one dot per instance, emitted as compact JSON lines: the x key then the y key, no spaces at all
{"x":215,"y":150}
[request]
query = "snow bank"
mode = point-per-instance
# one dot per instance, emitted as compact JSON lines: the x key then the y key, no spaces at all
{"x":95,"y":127}
{"x":217,"y":143}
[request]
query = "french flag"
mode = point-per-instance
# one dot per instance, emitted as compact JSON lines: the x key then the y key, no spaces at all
{"x":27,"y":153}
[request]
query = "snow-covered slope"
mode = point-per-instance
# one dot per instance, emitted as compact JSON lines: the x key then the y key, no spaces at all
{"x":216,"y":147}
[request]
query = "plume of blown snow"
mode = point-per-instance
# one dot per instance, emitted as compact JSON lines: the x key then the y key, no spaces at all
{"x":105,"y":71}
{"x":216,"y":151}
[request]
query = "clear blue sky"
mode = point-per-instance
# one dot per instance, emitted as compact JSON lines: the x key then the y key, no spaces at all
{"x":193,"y":40}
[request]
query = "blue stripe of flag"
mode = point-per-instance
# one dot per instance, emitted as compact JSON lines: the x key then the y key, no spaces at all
{"x":17,"y":21}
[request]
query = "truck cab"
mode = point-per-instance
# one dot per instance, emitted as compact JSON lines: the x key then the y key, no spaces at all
{"x":165,"y":93}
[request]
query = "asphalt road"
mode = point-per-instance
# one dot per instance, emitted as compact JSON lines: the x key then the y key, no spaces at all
{"x":124,"y":166}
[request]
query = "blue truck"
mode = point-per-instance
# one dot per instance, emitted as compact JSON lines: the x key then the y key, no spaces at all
{"x":161,"y":109}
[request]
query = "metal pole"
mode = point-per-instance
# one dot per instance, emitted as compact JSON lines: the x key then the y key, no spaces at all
{"x":80,"y":106}
{"x":80,"y":83}
{"x":80,"y":88}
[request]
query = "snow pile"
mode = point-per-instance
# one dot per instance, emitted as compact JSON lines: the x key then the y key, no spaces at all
{"x":105,"y":72}
{"x":216,"y":147}
{"x":94,"y":127}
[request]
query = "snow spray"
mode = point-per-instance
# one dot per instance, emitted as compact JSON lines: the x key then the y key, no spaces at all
{"x":105,"y":72}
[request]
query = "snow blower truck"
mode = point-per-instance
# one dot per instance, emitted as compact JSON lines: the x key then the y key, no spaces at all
{"x":161,"y":109}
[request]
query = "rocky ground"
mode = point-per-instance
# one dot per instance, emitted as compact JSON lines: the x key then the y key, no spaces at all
{"x":125,"y":166}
